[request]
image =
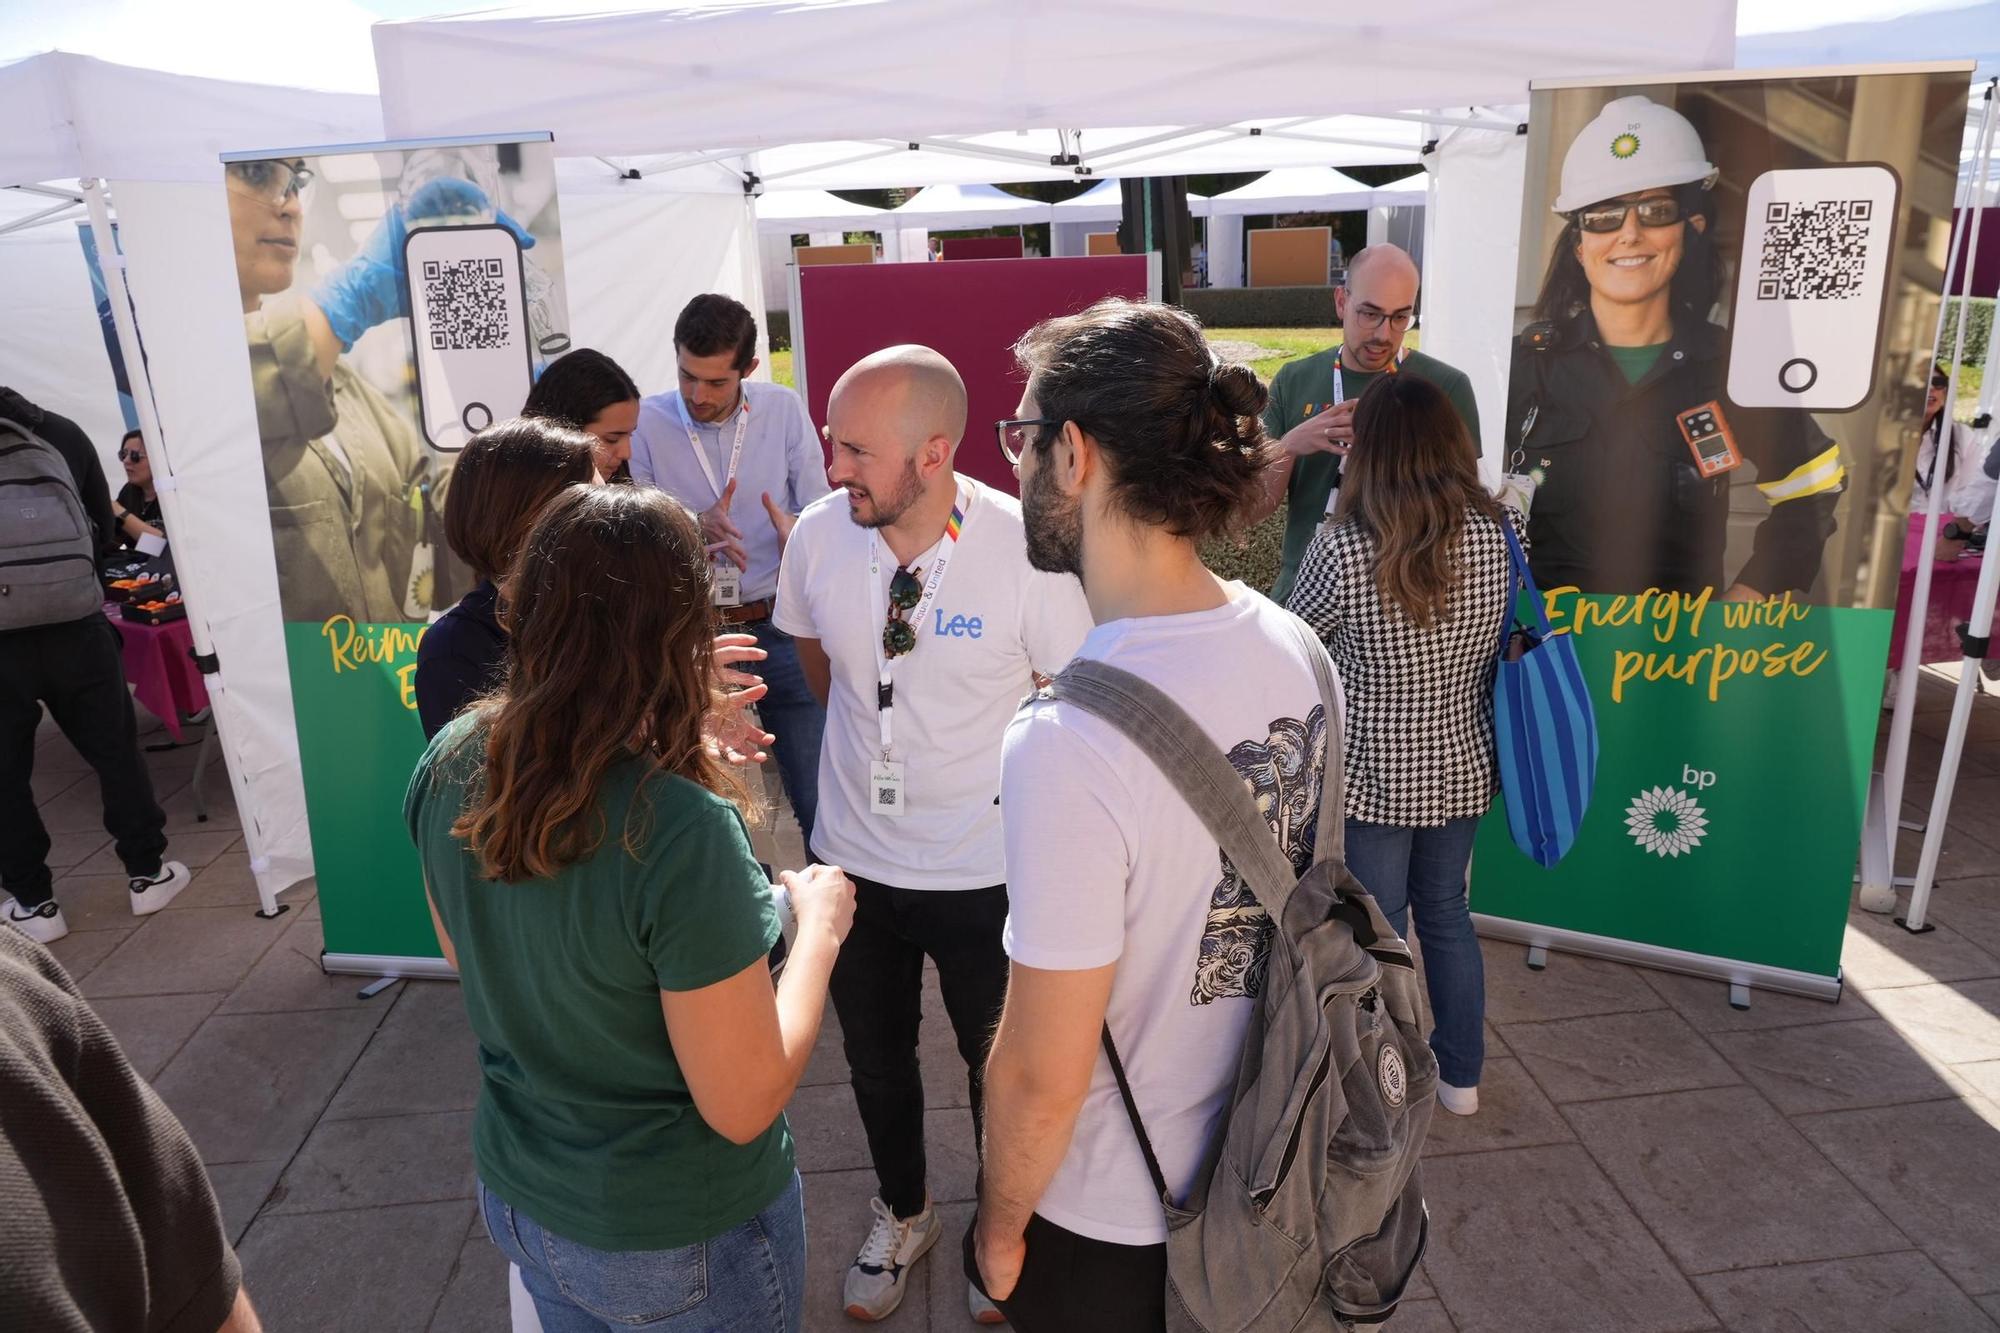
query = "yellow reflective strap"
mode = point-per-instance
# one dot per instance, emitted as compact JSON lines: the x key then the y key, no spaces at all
{"x":1819,"y":474}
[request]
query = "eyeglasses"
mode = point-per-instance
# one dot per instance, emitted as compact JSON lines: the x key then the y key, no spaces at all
{"x":1014,"y":436}
{"x":905,"y":591}
{"x":1368,"y":317}
{"x":131,"y":456}
{"x":271,"y":182}
{"x":1602,"y":218}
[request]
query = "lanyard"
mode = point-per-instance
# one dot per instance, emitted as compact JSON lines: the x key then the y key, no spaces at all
{"x":701,"y":455}
{"x":1339,"y":396}
{"x":885,"y":665}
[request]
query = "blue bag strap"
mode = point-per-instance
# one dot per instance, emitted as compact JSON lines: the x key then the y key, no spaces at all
{"x":1523,"y":578}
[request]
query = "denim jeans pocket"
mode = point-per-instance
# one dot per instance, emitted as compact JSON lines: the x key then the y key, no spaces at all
{"x":635,"y":1287}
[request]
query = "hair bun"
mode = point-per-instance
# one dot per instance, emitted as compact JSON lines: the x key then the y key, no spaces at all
{"x":1236,"y":389}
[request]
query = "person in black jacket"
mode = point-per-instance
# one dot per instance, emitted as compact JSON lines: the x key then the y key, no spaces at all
{"x":77,"y":669}
{"x":136,"y":510}
{"x":503,"y":478}
{"x":1623,"y":361}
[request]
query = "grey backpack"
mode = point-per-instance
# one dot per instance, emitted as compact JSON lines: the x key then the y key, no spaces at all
{"x":1308,"y":1210}
{"x":48,"y":553}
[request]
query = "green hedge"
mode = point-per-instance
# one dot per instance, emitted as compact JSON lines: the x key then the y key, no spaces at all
{"x":1978,"y":331}
{"x":1261,"y":307}
{"x":778,"y":323}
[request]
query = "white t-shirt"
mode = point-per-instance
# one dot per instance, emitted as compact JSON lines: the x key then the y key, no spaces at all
{"x":1107,"y":863}
{"x":995,"y":619}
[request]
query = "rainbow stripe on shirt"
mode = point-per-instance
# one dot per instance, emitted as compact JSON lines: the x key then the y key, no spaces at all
{"x":954,"y":523}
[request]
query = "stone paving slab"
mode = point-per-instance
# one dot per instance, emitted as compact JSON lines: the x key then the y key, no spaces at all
{"x":152,"y":1029}
{"x":365,"y":1270}
{"x":1569,"y":987}
{"x":201,"y":949}
{"x":377,"y":1162}
{"x":1883,"y":1293}
{"x":423,"y":1057}
{"x":249,"y":1087}
{"x":1617,"y":1055}
{"x":1836,"y":1066}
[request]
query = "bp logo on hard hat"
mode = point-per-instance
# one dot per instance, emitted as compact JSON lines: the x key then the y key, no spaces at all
{"x":1673,"y":154}
{"x":1625,"y":145}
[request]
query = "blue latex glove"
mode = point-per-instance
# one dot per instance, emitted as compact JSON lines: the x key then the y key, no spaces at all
{"x":373,"y":287}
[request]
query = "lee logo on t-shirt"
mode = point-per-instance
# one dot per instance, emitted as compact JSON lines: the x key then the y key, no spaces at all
{"x":958,"y":627}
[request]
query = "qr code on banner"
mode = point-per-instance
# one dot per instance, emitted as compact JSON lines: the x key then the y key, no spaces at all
{"x":1814,"y":252}
{"x":467,"y":299}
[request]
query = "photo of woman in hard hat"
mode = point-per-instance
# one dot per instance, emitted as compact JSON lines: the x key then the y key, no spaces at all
{"x":1620,"y":435}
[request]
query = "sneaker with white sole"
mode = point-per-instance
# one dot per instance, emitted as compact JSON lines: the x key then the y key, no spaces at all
{"x":880,"y":1274}
{"x":1458,"y":1101}
{"x":43,"y":925}
{"x":982,"y":1310}
{"x":150,"y":895}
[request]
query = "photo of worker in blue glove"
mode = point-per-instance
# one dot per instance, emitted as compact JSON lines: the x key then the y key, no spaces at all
{"x":356,"y":495}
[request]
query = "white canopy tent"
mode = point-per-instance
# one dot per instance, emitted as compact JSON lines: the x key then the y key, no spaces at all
{"x":1411,"y":191}
{"x":969,"y":208}
{"x":1295,"y":190}
{"x":786,"y":212}
{"x":1103,"y":202}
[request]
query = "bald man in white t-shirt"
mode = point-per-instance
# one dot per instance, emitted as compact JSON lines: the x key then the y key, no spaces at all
{"x":920,"y":625}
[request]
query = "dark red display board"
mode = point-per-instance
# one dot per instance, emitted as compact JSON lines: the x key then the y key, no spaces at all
{"x":979,"y":247}
{"x":972,"y":312}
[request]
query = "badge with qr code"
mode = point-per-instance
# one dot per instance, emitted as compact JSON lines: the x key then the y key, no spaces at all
{"x":885,"y":789}
{"x":468,"y":329}
{"x":1817,"y":244}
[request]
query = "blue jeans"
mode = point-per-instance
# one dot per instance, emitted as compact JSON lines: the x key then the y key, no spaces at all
{"x":790,"y":713}
{"x":1423,"y":870}
{"x":751,"y":1277}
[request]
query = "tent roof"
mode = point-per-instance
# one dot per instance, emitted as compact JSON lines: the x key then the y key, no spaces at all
{"x":1103,"y":202}
{"x":782,"y":212}
{"x":756,"y":73}
{"x":1295,"y":190}
{"x":1412,"y":191}
{"x":968,"y":207}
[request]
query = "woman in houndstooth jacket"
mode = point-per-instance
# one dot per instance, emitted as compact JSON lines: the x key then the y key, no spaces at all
{"x":1407,"y":585}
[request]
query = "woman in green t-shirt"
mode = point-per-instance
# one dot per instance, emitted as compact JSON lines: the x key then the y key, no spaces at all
{"x":591,"y":879}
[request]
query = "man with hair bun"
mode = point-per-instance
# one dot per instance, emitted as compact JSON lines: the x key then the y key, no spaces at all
{"x":920,"y":625}
{"x":1134,"y":447}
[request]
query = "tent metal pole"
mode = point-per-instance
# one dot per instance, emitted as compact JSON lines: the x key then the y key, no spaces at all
{"x":49,"y":191}
{"x":768,"y":177}
{"x":1977,"y":635}
{"x":37,"y":219}
{"x":1456,"y":122}
{"x":1119,"y":158}
{"x":1299,"y":136}
{"x":1878,"y":882}
{"x":112,"y":261}
{"x":1009,"y":155}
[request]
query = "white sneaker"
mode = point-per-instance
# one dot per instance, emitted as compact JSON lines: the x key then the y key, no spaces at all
{"x":43,"y":925}
{"x":880,"y":1273}
{"x":1458,"y":1101}
{"x":982,"y":1310}
{"x":150,"y":895}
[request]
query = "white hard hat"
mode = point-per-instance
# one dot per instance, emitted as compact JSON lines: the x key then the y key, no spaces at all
{"x":1633,"y":144}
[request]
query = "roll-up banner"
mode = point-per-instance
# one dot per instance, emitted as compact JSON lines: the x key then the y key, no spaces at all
{"x":1726,"y":300}
{"x":396,"y":299}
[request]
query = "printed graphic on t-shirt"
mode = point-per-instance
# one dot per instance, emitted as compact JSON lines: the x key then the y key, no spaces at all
{"x":1283,"y":773}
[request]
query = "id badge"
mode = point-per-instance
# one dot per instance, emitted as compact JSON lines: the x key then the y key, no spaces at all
{"x":727,"y":586}
{"x":1517,"y":490}
{"x":1709,"y":439}
{"x":885,"y":788}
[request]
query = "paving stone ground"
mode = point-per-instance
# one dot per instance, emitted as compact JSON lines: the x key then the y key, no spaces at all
{"x":1646,"y":1157}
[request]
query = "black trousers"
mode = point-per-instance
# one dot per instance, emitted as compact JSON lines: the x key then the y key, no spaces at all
{"x":1071,"y":1282}
{"x":78,"y":670}
{"x":878,"y":993}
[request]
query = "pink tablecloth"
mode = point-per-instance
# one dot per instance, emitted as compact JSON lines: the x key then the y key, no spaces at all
{"x":160,"y":669}
{"x":1952,"y":585}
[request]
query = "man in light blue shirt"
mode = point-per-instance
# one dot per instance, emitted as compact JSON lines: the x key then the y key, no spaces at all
{"x":745,"y":458}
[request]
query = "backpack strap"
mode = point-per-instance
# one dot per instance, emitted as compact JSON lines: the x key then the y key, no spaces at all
{"x":1203,"y":775}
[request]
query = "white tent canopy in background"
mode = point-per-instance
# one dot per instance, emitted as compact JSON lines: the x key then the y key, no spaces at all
{"x":968,"y":208}
{"x":1295,"y":190}
{"x":1104,"y":202}
{"x":785,"y":212}
{"x":1404,"y":192}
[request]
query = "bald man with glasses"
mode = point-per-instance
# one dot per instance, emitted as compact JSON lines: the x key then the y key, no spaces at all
{"x":1311,"y":412}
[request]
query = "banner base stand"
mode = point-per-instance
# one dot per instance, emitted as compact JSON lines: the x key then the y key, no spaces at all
{"x":1738,"y":975}
{"x":385,"y":965}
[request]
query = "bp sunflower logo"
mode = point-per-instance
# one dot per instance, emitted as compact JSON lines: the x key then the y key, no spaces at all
{"x":1666,"y":821}
{"x":1624,"y":145}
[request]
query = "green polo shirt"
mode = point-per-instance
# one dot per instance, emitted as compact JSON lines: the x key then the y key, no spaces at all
{"x":1303,"y":389}
{"x":585,"y":1122}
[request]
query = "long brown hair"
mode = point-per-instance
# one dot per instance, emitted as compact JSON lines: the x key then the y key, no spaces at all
{"x":503,"y":477}
{"x":1408,"y":481}
{"x":607,"y":657}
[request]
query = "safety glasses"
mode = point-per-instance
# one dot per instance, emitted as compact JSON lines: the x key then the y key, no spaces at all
{"x":1601,"y":218}
{"x":906,"y":589}
{"x":272,"y":182}
{"x":1016,"y":434}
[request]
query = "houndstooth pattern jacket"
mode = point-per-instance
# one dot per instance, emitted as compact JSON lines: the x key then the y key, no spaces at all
{"x":1419,"y":740}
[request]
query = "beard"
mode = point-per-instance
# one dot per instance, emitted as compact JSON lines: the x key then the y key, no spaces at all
{"x":1055,"y":525}
{"x":909,"y":490}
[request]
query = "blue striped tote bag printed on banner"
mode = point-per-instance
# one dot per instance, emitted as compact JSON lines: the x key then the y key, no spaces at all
{"x":1543,"y":726}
